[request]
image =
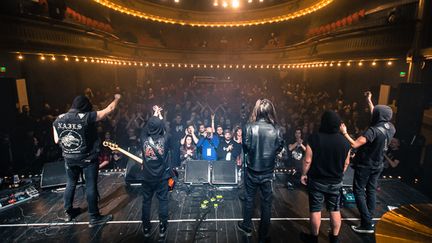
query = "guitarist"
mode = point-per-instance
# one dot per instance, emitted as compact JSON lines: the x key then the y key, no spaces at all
{"x":156,"y":171}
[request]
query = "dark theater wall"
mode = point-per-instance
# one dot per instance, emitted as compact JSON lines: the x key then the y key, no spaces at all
{"x":354,"y":80}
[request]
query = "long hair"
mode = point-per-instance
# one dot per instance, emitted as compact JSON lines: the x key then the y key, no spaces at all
{"x":264,"y":109}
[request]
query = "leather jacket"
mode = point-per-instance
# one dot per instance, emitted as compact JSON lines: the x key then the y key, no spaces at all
{"x":261,"y":142}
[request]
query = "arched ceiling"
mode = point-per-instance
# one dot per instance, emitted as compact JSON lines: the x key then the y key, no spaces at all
{"x":148,"y":10}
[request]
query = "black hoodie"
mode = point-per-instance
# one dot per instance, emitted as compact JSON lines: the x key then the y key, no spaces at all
{"x":378,"y":136}
{"x":329,"y":150}
{"x":155,"y":166}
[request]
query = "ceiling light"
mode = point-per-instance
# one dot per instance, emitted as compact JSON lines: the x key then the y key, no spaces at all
{"x":261,"y":1}
{"x":250,"y":1}
{"x":224,"y":4}
{"x":216,"y":3}
{"x":235,"y":3}
{"x":20,"y":57}
{"x":389,"y":63}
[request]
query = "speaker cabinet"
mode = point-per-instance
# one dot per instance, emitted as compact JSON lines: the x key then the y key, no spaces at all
{"x":197,"y":172}
{"x":410,"y":108}
{"x":133,"y":172}
{"x":224,"y":173}
{"x":54,"y":174}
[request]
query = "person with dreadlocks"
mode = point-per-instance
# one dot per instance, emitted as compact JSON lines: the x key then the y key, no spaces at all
{"x":262,"y":141}
{"x":76,"y":133}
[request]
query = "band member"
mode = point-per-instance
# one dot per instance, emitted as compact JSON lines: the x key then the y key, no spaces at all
{"x":262,"y":140}
{"x":76,"y":133}
{"x":368,"y":161}
{"x":156,"y":171}
{"x":326,"y":159}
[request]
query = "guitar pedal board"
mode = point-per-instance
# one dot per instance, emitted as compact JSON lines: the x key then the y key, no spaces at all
{"x":11,"y":198}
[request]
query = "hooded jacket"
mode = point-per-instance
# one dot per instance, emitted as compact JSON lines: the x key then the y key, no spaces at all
{"x":155,"y":150}
{"x":378,"y":136}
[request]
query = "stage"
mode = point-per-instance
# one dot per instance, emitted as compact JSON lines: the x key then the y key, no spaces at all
{"x":39,"y":220}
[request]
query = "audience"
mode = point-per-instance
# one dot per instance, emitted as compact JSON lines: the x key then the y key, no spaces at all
{"x":191,"y":108}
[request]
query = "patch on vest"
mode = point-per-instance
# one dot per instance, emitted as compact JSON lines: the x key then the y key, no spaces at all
{"x":71,"y":141}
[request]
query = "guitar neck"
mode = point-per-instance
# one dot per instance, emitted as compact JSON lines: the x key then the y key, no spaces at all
{"x":130,"y":155}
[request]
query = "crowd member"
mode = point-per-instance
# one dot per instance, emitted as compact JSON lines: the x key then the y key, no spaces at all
{"x":326,"y":159}
{"x":208,"y":143}
{"x":190,"y":131}
{"x":176,"y":133}
{"x":220,"y":131}
{"x":227,"y":149}
{"x":392,"y":159}
{"x":156,"y":171}
{"x":297,"y":149}
{"x":368,"y":161}
{"x":261,"y":142}
{"x":76,"y":133}
{"x":188,"y":150}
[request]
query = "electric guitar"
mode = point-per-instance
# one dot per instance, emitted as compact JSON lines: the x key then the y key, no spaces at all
{"x":115,"y":147}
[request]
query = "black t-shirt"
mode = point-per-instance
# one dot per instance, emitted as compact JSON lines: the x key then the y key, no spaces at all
{"x":388,"y":169}
{"x":371,"y":154}
{"x":329,"y":152}
{"x":297,"y":154}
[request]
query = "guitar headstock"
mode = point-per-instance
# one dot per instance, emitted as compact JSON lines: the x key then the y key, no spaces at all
{"x":111,"y":145}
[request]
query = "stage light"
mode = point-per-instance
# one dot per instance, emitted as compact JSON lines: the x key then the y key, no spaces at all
{"x":176,"y":1}
{"x":348,"y":64}
{"x":98,"y":61}
{"x":389,"y":63}
{"x":215,"y":3}
{"x":76,"y":59}
{"x":191,"y":65}
{"x":20,"y":57}
{"x":217,"y":66}
{"x":250,"y":1}
{"x":153,"y":64}
{"x":53,"y":58}
{"x":224,"y":4}
{"x":235,"y":3}
{"x":360,"y":64}
{"x":230,"y":66}
{"x":85,"y":59}
{"x":331,"y":64}
{"x":66,"y":59}
{"x":205,"y":66}
{"x":261,"y":1}
{"x":373,"y":63}
{"x":179,"y":65}
{"x":325,"y":64}
{"x":224,"y":66}
{"x":339,"y":64}
{"x":91,"y":60}
{"x":211,"y":66}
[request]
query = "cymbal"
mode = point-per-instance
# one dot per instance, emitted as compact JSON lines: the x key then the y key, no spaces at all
{"x":409,"y":223}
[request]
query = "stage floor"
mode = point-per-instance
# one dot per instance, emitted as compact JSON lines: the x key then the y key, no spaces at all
{"x":39,"y":219}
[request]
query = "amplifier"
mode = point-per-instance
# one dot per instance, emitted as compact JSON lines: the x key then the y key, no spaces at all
{"x":224,"y":173}
{"x":54,"y":174}
{"x":197,"y":172}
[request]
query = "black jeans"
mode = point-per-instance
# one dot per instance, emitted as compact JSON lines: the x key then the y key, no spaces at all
{"x":73,"y":172}
{"x":253,"y":182}
{"x":161,"y":190}
{"x":364,"y":187}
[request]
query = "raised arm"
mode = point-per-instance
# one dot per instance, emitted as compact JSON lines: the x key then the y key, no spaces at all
{"x":354,"y":143}
{"x":368,"y":95}
{"x":212,"y":123}
{"x":110,"y":108}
